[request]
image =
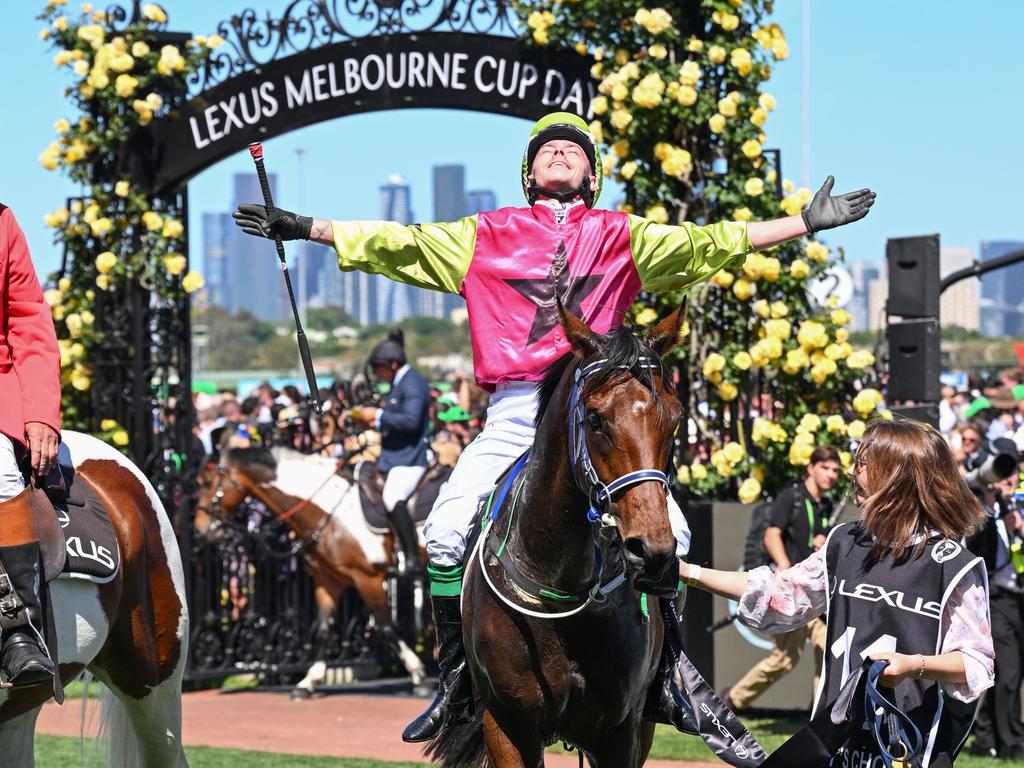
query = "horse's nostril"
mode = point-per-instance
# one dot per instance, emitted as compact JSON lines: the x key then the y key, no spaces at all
{"x":637,"y":547}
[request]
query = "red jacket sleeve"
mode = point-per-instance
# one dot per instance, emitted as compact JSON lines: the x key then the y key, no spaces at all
{"x":30,"y":332}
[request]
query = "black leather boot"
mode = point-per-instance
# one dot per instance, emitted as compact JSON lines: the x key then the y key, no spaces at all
{"x":454,"y":691}
{"x":23,"y":658}
{"x":405,"y":530}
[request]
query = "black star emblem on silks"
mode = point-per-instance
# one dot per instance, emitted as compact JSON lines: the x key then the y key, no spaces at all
{"x":541,"y":292}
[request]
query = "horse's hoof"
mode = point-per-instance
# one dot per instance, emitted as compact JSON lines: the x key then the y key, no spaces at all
{"x":300,"y":694}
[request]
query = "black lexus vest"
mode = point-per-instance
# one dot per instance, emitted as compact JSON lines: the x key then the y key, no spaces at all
{"x":883,"y":606}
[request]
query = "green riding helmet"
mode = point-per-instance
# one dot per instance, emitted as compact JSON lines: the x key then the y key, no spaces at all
{"x":563,"y":125}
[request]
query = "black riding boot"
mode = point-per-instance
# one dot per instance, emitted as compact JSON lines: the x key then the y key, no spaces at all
{"x":23,"y":658}
{"x":454,"y":691}
{"x":405,"y":530}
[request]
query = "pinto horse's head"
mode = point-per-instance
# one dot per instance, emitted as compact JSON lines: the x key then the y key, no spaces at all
{"x":629,"y":413}
{"x":225,"y":481}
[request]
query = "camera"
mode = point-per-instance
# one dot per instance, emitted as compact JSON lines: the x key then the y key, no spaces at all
{"x":997,"y":463}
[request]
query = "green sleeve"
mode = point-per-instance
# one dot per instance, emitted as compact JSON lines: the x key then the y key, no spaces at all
{"x":669,"y":257}
{"x":432,"y":256}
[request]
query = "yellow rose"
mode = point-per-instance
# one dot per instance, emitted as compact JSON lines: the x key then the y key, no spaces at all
{"x":154,"y":13}
{"x":751,"y":148}
{"x":796,"y":361}
{"x":716,"y":123}
{"x":119,"y":438}
{"x":753,"y":186}
{"x":698,"y":471}
{"x":152,"y":221}
{"x":105,"y":262}
{"x":733,"y":453}
{"x":122,"y":188}
{"x":108,"y":424}
{"x":540,"y":36}
{"x":92,"y":34}
{"x":779,"y":309}
{"x":846,"y":459}
{"x":716,"y":54}
{"x":727,"y":107}
{"x":214,"y":41}
{"x":778,"y":329}
{"x":835,"y":424}
{"x":743,"y":214}
{"x":842,"y":334}
{"x":800,"y":454}
{"x":139,"y":48}
{"x":646,"y":316}
{"x":799,"y":269}
{"x":767,"y":102}
{"x":713,"y":363}
{"x":657,"y":213}
{"x":761,"y":308}
{"x":694,"y":45}
{"x":658,"y":51}
{"x":175,"y":263}
{"x":723,"y":278}
{"x":812,"y":335}
{"x":683,"y":475}
{"x":866,"y":401}
{"x":57,"y":218}
{"x":192,"y":282}
{"x":758,"y":117}
{"x":599,"y":105}
{"x":750,"y":491}
{"x":816,"y":251}
{"x":125,"y":85}
{"x":620,"y":119}
{"x":172,"y":229}
{"x":771,"y":345}
{"x":101,"y":226}
{"x":689,"y":73}
{"x":87,"y":317}
{"x":861,"y":358}
{"x":742,"y":289}
{"x":841,"y":316}
{"x":620,"y":148}
{"x":752,"y":265}
{"x":686,"y":96}
{"x":628,"y":170}
{"x":727,"y":391}
{"x":154,"y":101}
{"x":102,"y":282}
{"x":742,"y":360}
{"x":80,"y":380}
{"x":855,"y":429}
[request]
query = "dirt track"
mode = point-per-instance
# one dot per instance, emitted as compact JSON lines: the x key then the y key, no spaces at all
{"x":339,"y":725}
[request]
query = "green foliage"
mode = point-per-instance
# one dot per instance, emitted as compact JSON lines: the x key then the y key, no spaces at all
{"x":682,"y":110}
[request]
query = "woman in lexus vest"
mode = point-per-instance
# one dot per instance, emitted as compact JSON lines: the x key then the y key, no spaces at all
{"x":896,"y":585}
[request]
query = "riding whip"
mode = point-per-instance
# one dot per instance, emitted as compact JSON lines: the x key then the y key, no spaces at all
{"x":256,"y":150}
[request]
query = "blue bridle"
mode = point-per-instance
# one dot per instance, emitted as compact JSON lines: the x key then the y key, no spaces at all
{"x":583,"y":472}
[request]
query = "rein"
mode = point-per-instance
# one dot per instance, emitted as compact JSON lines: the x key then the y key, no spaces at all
{"x":598,"y":493}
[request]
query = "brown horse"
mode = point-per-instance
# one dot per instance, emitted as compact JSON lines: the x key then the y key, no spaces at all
{"x":323,"y":511}
{"x":552,"y":656}
{"x":131,"y":632}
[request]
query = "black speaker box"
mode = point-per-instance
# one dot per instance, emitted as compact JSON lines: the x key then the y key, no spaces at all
{"x":913,"y":361}
{"x":928,"y":413}
{"x":913,"y":276}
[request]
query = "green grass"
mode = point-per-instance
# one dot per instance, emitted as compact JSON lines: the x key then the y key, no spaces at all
{"x":668,"y":745}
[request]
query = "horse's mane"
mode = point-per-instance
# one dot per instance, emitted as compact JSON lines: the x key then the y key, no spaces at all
{"x":621,"y":349}
{"x":257,"y":454}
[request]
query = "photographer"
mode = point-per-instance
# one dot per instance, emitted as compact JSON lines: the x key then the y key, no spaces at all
{"x":998,"y":731}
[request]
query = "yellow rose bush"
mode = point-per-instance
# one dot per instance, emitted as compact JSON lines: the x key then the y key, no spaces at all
{"x":682,"y":103}
{"x":116,"y":235}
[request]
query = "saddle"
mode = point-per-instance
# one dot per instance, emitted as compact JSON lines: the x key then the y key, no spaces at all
{"x":371,"y":490}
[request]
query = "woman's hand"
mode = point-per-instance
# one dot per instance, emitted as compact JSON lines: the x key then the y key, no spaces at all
{"x":901,"y":667}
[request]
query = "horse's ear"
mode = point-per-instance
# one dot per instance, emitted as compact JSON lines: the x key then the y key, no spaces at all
{"x":583,"y":340}
{"x":665,"y":336}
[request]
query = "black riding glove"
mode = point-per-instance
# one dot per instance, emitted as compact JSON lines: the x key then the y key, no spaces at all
{"x":286,"y":225}
{"x":827,"y":212}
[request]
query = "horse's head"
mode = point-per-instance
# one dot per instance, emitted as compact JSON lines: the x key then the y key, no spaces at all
{"x":225,"y":481}
{"x":623,"y":415}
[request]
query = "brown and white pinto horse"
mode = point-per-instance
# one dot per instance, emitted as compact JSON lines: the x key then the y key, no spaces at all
{"x":323,"y":511}
{"x":131,"y":632}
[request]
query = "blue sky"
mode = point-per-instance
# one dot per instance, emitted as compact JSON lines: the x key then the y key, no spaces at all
{"x":919,"y":100}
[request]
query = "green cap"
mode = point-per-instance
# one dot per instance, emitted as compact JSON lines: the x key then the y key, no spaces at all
{"x":977,"y":405}
{"x":455,"y":413}
{"x":563,"y":125}
{"x":1018,"y":392}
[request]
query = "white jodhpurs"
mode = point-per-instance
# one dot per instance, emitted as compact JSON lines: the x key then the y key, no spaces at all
{"x":508,"y":433}
{"x":11,"y":480}
{"x":400,"y":483}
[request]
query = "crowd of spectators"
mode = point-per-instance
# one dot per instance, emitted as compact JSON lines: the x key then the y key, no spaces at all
{"x":974,"y":416}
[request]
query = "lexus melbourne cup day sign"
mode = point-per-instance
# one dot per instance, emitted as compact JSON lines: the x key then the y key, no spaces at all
{"x":482,"y":73}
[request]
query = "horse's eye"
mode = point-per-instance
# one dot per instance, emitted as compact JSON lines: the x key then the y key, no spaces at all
{"x":594,"y":421}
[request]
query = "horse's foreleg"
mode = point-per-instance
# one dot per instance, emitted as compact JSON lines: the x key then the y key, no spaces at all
{"x":519,"y":748}
{"x":327,"y":606}
{"x":371,"y":589}
{"x":16,"y":740}
{"x":624,"y":746}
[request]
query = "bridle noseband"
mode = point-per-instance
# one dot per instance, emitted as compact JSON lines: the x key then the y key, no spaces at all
{"x":583,"y":472}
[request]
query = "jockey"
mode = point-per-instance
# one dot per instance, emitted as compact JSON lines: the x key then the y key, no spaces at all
{"x":404,"y":425}
{"x":29,"y":428}
{"x":509,"y":265}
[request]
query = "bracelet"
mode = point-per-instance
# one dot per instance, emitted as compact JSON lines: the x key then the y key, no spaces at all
{"x":920,"y":672}
{"x":693,"y":575}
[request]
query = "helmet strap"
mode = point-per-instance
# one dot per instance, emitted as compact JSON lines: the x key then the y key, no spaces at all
{"x":533,"y":190}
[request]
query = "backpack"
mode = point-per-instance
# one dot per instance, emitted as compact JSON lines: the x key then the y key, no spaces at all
{"x":755,"y":553}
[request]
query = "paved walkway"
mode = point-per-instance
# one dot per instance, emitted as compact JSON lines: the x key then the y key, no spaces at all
{"x":339,"y":725}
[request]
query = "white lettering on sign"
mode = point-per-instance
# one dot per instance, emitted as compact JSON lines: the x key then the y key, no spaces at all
{"x":94,"y":551}
{"x":896,"y":598}
{"x":358,"y":74}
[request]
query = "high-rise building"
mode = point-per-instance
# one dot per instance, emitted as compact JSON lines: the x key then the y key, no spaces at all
{"x":864,"y":274}
{"x":251,"y":269}
{"x":449,"y":192}
{"x":480,"y":200}
{"x":1002,"y":292}
{"x":959,"y":304}
{"x":394,"y":302}
{"x":313,"y":259}
{"x":216,"y":227}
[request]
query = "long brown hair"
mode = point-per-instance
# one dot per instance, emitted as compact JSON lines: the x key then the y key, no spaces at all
{"x":915,"y":487}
